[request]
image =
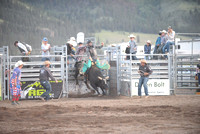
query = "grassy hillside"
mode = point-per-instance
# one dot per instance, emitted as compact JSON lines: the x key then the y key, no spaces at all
{"x":31,"y":20}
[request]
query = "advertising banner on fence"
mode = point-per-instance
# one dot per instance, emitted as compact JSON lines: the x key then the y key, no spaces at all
{"x":33,"y":89}
{"x":155,"y":87}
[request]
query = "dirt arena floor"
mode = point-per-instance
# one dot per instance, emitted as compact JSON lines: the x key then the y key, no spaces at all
{"x":103,"y":115}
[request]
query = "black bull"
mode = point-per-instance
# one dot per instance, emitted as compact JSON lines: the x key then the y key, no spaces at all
{"x":94,"y":76}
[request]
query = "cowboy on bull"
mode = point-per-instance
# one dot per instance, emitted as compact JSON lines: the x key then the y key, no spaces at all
{"x":93,"y":60}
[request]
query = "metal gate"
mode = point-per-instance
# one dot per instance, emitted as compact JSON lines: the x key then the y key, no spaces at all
{"x":185,"y":71}
{"x":30,"y":71}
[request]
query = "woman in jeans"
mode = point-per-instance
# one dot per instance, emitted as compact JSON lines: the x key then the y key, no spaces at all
{"x":45,"y":73}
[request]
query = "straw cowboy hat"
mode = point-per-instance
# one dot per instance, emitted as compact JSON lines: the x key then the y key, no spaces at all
{"x":163,"y":31}
{"x":19,"y":63}
{"x":132,"y":36}
{"x":72,"y":38}
{"x":47,"y":62}
{"x":73,"y":43}
{"x":148,"y":41}
{"x":143,"y":61}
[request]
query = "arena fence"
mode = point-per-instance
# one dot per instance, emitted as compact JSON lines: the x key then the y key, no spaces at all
{"x":177,"y":72}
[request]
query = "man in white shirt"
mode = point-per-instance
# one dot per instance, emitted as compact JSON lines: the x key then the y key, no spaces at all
{"x":170,"y":39}
{"x":24,"y":48}
{"x":45,"y":49}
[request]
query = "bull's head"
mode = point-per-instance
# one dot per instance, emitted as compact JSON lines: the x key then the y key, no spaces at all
{"x":103,"y":81}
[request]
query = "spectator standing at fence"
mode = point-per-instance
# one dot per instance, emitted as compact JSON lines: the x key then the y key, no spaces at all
{"x":147,"y":49}
{"x":70,"y":52}
{"x":45,"y":49}
{"x":73,"y":39}
{"x":198,"y":71}
{"x":24,"y":48}
{"x":170,"y":39}
{"x":144,"y":71}
{"x":45,"y":74}
{"x":15,"y":84}
{"x":133,"y":46}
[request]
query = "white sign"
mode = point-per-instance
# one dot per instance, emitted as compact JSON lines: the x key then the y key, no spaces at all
{"x":80,"y":37}
{"x":155,"y":87}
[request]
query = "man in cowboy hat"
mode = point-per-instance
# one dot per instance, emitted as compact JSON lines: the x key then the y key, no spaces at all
{"x":133,"y":46}
{"x":144,"y":71}
{"x":45,"y":73}
{"x":163,"y":41}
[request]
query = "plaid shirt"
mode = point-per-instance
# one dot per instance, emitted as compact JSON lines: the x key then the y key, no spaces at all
{"x":80,"y":51}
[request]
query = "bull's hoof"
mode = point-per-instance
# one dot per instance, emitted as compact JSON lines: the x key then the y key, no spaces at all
{"x":100,"y":95}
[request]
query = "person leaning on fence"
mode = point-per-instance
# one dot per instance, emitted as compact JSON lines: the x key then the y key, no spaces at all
{"x":147,"y":49}
{"x":45,"y":74}
{"x":45,"y":49}
{"x":73,"y":39}
{"x":144,"y":71}
{"x":24,"y":48}
{"x":15,"y":84}
{"x":133,"y":46}
{"x":70,"y":51}
{"x":198,"y":71}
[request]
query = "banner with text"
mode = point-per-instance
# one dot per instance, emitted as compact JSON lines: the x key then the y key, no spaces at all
{"x":155,"y":87}
{"x":33,"y":89}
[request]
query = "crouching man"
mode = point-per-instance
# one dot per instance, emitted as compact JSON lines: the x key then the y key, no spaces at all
{"x":144,"y":71}
{"x":45,"y":73}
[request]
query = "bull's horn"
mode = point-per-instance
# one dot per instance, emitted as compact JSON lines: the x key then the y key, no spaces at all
{"x":107,"y":78}
{"x":100,"y":78}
